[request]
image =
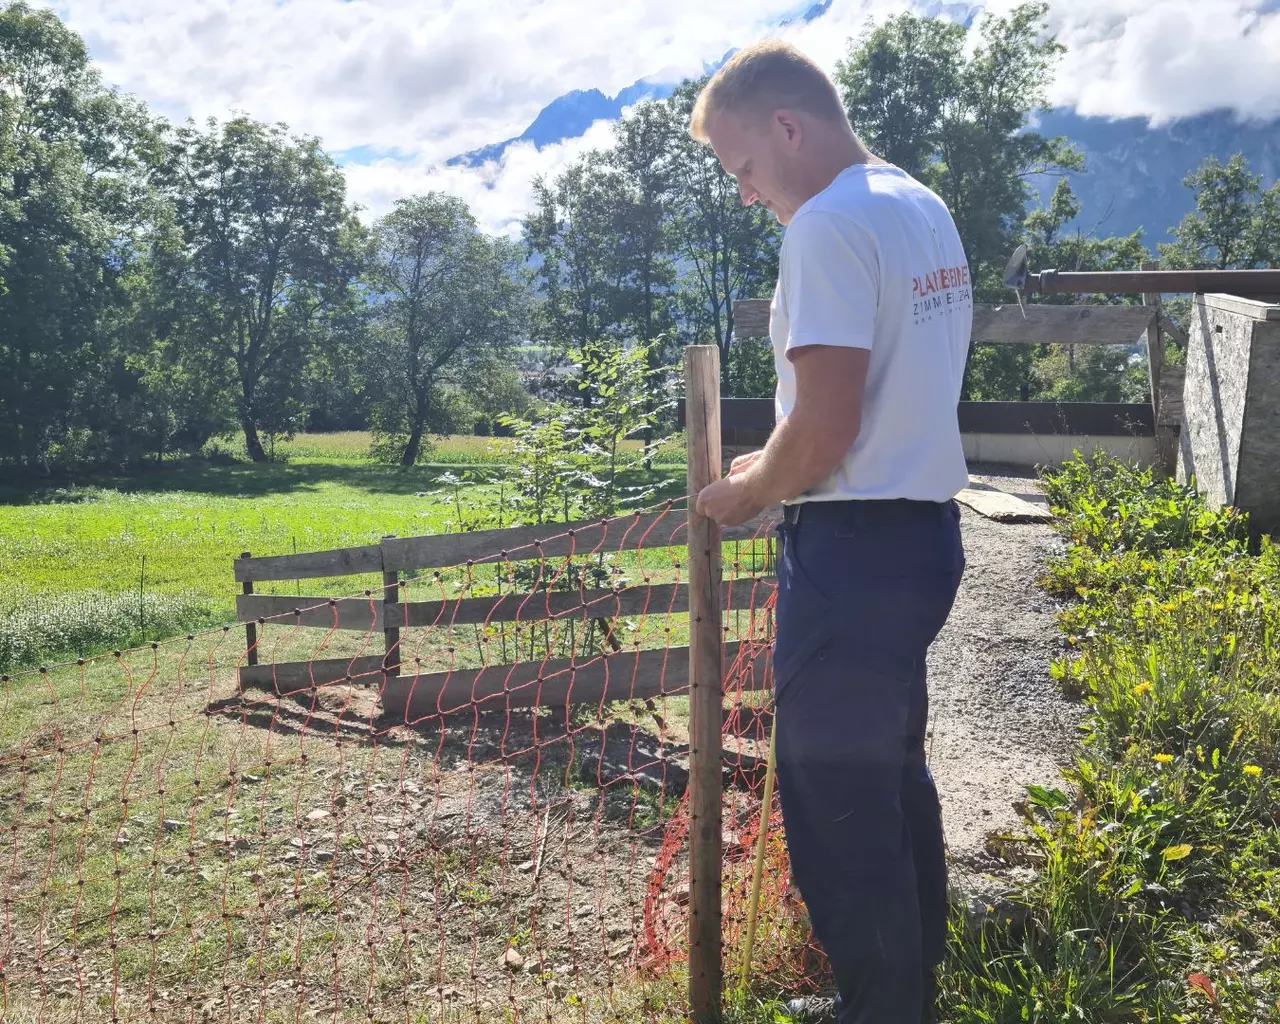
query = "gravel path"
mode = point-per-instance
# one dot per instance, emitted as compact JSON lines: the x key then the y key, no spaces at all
{"x":998,"y":721}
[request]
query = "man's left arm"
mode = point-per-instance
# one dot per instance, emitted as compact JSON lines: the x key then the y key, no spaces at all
{"x":832,"y":283}
{"x":806,"y":447}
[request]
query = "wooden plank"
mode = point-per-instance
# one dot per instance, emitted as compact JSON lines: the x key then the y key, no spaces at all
{"x":751,"y":318}
{"x":1004,"y":324}
{"x":357,"y":613}
{"x":706,"y":700}
{"x":561,"y":683}
{"x":1255,"y":308}
{"x":366,"y":616}
{"x":414,"y":694}
{"x":553,"y":540}
{"x":1171,"y":383}
{"x":1001,"y":506}
{"x":295,"y":676}
{"x":311,"y":565}
{"x":1062,"y":325}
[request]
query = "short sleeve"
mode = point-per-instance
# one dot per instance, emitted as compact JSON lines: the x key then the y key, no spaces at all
{"x":830,"y":274}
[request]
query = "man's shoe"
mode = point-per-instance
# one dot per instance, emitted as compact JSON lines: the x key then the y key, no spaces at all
{"x":813,"y":1010}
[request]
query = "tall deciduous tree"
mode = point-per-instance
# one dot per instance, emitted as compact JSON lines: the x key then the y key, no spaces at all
{"x":729,"y":251}
{"x":573,"y":233}
{"x":644,"y":161}
{"x":1235,"y":225}
{"x":264,"y":256}
{"x":958,"y":120}
{"x":72,"y":192}
{"x":896,"y":82}
{"x":448,"y":300}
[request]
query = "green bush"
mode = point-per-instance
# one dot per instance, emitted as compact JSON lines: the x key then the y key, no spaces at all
{"x":38,"y":630}
{"x":1158,"y":878}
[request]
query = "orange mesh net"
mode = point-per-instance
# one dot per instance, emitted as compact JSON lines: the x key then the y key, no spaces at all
{"x":449,"y":793}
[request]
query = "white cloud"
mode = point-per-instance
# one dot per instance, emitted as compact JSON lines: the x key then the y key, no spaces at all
{"x":499,"y":193}
{"x":1169,"y":58}
{"x":425,"y":80}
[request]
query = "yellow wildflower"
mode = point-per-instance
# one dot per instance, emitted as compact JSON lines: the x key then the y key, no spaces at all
{"x":1163,"y":758}
{"x":1252,"y":769}
{"x":1142,"y":688}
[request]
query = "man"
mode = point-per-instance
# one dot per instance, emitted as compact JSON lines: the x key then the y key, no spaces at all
{"x":870,"y":325}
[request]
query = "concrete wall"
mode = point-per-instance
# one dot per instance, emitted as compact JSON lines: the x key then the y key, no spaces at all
{"x":1230,"y":441}
{"x":1032,"y":450}
{"x":1028,"y":450}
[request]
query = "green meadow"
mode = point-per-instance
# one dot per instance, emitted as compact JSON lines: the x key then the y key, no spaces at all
{"x":104,"y":561}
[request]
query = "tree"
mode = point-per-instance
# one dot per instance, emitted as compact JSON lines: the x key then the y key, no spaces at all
{"x":959,"y":121}
{"x":265,"y":254}
{"x":573,"y":233}
{"x":1103,"y":373}
{"x":72,"y":203}
{"x":644,"y":158}
{"x":896,"y":82}
{"x":448,"y":300}
{"x":1235,"y":225}
{"x":730,"y":250}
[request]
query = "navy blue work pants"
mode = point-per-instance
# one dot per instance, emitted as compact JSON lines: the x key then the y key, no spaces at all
{"x":863,"y":589}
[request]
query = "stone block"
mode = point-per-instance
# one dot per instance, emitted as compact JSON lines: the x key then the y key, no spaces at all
{"x":1230,"y":437}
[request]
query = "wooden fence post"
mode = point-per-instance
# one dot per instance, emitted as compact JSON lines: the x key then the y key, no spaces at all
{"x":250,"y":629}
{"x":391,"y":615}
{"x":1166,"y":445}
{"x":706,"y":681}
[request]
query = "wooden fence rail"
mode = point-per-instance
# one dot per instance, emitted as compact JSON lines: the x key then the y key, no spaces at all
{"x":516,"y":543}
{"x":369,"y":614}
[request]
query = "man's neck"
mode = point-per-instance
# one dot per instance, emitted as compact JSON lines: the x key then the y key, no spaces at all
{"x":843,"y":154}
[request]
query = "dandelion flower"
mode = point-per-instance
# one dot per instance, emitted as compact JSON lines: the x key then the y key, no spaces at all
{"x":1163,"y":758}
{"x":1252,"y":769}
{"x":1142,"y":688}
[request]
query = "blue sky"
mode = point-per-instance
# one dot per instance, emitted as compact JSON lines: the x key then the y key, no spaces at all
{"x":399,"y":86}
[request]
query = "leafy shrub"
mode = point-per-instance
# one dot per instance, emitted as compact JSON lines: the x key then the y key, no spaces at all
{"x":1108,"y":505}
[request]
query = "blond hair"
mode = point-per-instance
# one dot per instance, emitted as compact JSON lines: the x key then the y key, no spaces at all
{"x":764,"y":77}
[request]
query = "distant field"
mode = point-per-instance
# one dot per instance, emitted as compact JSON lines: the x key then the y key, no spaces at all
{"x":75,"y":551}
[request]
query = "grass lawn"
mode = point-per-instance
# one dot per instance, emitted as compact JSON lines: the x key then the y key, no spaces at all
{"x":131,"y":558}
{"x":176,"y":844}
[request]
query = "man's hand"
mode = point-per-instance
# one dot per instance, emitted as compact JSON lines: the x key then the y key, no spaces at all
{"x":743,"y":462}
{"x":729,"y":502}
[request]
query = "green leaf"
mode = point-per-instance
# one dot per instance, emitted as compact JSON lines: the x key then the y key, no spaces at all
{"x":1177,"y":852}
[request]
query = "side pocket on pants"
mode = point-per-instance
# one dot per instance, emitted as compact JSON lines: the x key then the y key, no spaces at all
{"x":792,"y":654}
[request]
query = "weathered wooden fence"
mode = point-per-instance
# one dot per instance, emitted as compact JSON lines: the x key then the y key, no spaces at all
{"x":1028,"y":433}
{"x":616,"y":672}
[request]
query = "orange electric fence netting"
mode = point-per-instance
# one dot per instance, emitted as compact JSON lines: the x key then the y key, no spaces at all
{"x":457,"y":794}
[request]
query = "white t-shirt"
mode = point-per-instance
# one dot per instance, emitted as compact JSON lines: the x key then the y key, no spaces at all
{"x":874,"y":261}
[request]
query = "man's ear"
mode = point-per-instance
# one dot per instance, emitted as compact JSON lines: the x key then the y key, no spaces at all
{"x":787,"y":125}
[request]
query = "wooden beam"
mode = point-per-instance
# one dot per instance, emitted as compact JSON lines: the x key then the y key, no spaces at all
{"x":1005,"y":324}
{"x":1060,"y":325}
{"x":1171,"y":382}
{"x":553,"y":540}
{"x":414,"y":694}
{"x":311,"y":565}
{"x":365,"y":614}
{"x":751,"y":318}
{"x":706,"y":700}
